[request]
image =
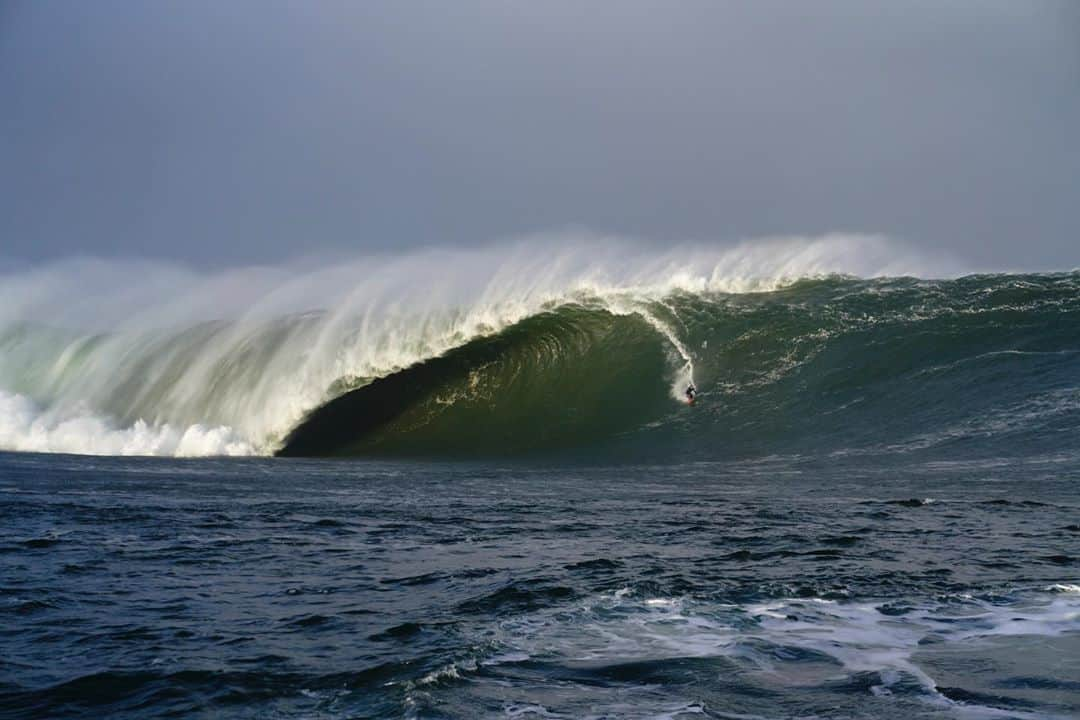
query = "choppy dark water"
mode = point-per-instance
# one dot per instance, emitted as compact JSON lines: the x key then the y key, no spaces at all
{"x":777,"y":588}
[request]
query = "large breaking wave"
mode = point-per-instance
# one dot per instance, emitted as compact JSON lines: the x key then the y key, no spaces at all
{"x":554,"y":345}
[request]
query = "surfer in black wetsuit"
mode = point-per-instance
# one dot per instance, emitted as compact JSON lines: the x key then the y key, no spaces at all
{"x":691,"y":393}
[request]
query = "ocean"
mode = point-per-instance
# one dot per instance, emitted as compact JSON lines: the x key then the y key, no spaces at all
{"x":773,"y":588}
{"x":497,"y":503}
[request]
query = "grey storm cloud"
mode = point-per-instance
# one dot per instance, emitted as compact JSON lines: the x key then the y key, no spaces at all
{"x":245,"y":132}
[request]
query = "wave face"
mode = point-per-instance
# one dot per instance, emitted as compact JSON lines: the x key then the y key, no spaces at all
{"x":979,"y":365}
{"x":581,"y":350}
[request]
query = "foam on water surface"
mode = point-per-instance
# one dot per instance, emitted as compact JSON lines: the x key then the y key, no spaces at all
{"x":789,"y":643}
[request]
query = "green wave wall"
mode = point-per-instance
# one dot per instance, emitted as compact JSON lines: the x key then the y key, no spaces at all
{"x":985,"y":365}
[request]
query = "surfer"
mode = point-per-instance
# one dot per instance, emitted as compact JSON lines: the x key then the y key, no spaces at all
{"x":691,"y":394}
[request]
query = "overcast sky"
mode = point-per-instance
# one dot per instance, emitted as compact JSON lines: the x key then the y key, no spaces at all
{"x":238,"y":132}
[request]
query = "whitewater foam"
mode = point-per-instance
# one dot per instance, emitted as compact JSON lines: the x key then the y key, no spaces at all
{"x":25,"y":428}
{"x":766,"y":638}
